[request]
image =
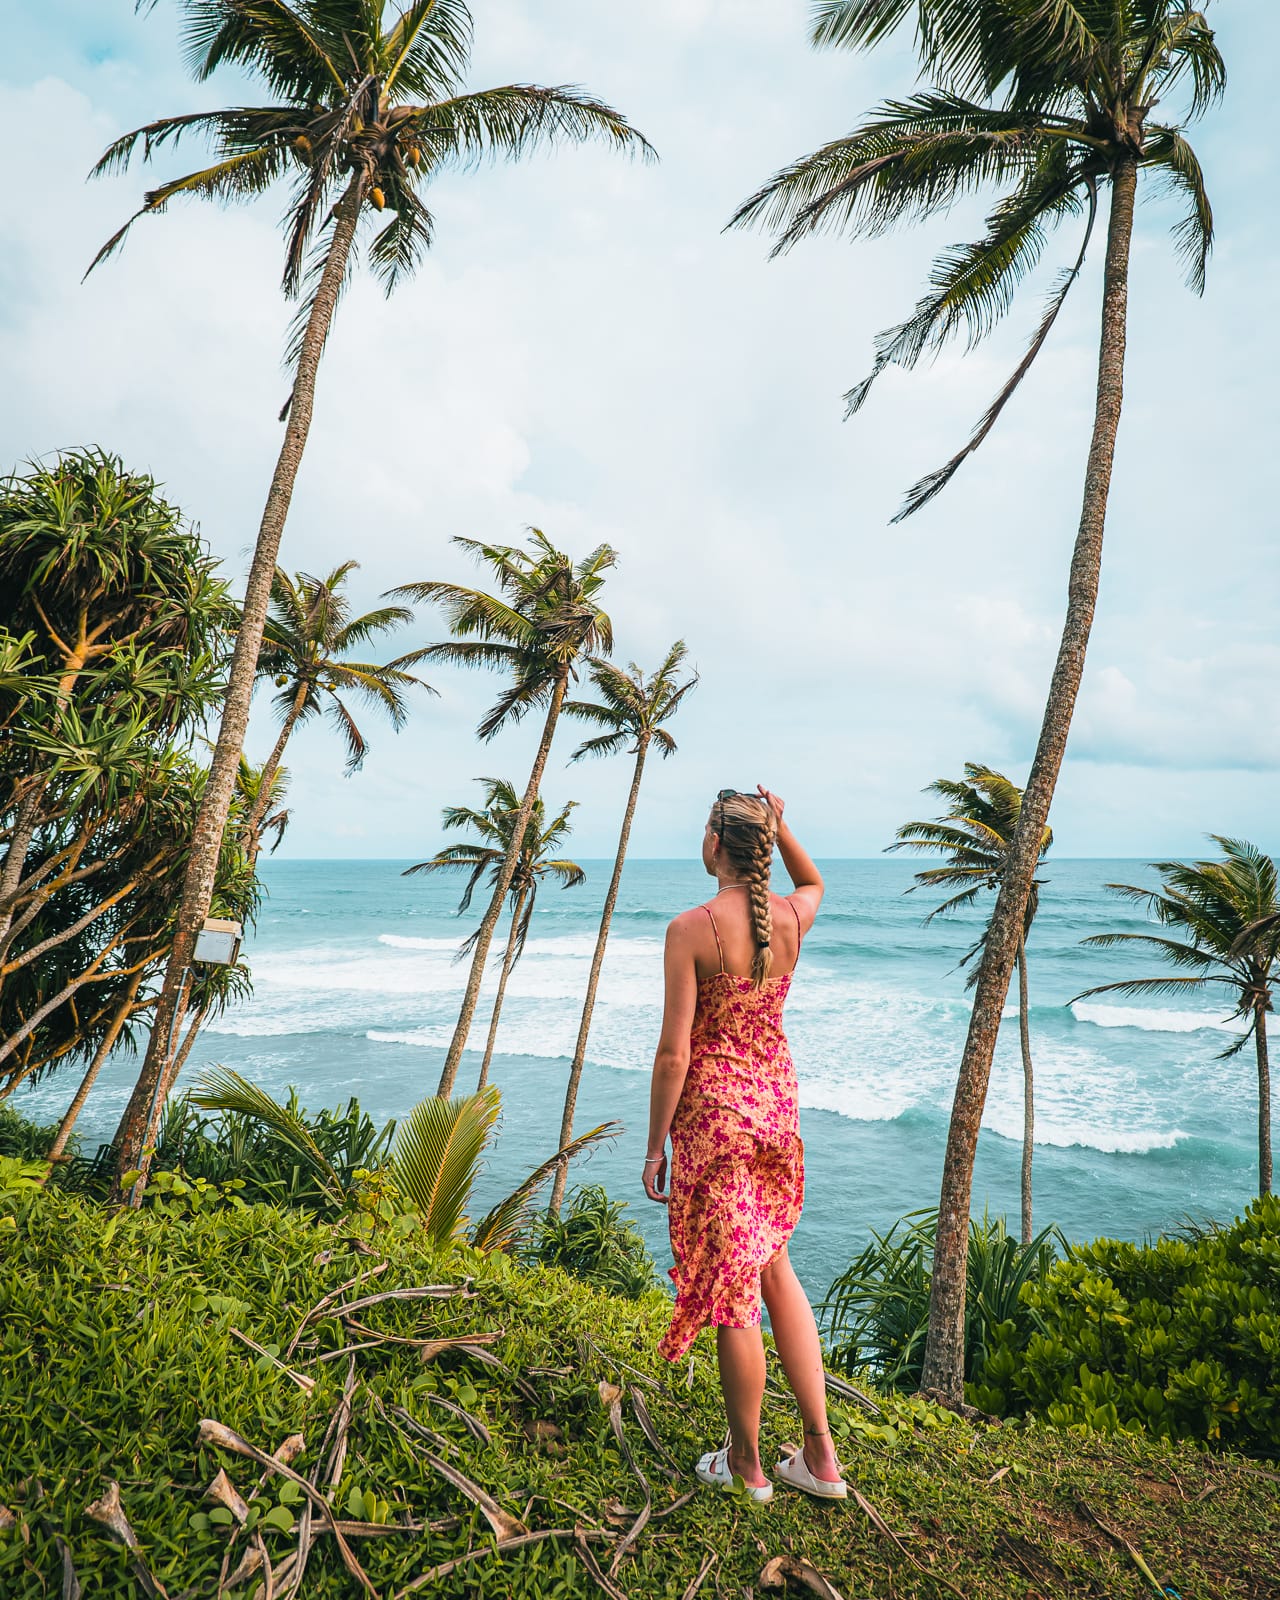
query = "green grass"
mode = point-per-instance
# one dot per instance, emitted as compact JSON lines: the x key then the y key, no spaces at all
{"x":116,"y":1341}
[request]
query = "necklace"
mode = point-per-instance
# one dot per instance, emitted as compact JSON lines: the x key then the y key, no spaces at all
{"x":740,"y":884}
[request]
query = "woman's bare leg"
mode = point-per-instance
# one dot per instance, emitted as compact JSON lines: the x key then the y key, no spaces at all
{"x":796,"y":1335}
{"x":741,"y":1355}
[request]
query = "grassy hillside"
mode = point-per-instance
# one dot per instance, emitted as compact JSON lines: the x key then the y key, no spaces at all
{"x":125,"y":1359}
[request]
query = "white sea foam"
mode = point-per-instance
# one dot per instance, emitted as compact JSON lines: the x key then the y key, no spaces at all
{"x":1150,"y":1019}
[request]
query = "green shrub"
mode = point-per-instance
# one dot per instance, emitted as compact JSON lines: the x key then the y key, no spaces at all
{"x":22,"y":1138}
{"x":595,"y":1242}
{"x":1180,"y":1337}
{"x":876,"y":1313}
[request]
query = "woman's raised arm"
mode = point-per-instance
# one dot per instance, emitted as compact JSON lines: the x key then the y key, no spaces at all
{"x":806,"y":879}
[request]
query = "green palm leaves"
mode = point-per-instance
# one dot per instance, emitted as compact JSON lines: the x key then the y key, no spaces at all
{"x":306,"y":650}
{"x":364,"y":96}
{"x":1221,"y":916}
{"x":435,"y":1160}
{"x":630,"y":707}
{"x":540,"y":622}
{"x":1040,"y":100}
{"x":974,"y":834}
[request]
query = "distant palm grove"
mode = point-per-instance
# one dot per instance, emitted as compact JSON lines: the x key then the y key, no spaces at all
{"x":134,"y":831}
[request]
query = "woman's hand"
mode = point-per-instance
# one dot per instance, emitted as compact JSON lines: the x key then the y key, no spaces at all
{"x":654,"y":1178}
{"x":775,"y":803}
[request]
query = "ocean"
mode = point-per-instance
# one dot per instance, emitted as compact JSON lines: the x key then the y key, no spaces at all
{"x":1138,"y":1125}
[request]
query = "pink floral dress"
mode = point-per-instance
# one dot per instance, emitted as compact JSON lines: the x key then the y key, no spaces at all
{"x":737,"y":1163}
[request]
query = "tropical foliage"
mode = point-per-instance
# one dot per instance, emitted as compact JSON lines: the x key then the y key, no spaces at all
{"x":306,"y":652}
{"x":1179,"y":1337}
{"x":423,"y":1169}
{"x":367,"y":107}
{"x":1051,"y":105}
{"x":975,"y":833}
{"x":631,"y":709}
{"x":595,"y":1241}
{"x":1220,"y":916}
{"x":876,"y":1313}
{"x":114,"y":647}
{"x":543,"y":620}
{"x":486,"y":856}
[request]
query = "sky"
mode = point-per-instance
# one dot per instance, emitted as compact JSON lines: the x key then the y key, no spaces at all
{"x":586,"y":351}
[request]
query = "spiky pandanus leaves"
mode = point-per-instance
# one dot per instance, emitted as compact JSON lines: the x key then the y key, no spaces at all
{"x":1227,"y":913}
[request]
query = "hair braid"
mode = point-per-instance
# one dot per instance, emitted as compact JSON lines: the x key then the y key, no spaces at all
{"x":747,"y":829}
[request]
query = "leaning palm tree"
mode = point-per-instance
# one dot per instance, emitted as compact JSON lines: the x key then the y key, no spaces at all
{"x":975,"y":833}
{"x":1222,"y":915}
{"x":543,"y":620}
{"x":309,"y":632}
{"x":631,"y":709}
{"x":1050,"y":101}
{"x":485,"y":856}
{"x":367,"y":107}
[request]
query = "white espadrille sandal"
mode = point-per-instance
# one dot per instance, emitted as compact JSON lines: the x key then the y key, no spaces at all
{"x":793,"y":1470}
{"x":713,"y":1468}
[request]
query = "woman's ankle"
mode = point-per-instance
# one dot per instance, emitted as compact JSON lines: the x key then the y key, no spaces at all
{"x":819,"y":1454}
{"x":747,"y":1466}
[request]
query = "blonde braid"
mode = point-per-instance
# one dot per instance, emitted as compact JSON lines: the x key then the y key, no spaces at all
{"x":761,"y":910}
{"x":747,"y":829}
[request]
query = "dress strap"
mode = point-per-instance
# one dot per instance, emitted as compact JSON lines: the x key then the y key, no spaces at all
{"x":799,"y":935}
{"x":716,"y":931}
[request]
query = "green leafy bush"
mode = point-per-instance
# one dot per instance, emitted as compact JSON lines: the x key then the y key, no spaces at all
{"x":22,"y":1138}
{"x":876,"y":1313}
{"x":594,"y":1241}
{"x":1180,"y":1337}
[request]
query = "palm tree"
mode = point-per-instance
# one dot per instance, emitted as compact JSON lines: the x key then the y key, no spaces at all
{"x":631,"y":709}
{"x":485,"y":857}
{"x":974,"y":834}
{"x":1051,"y":102}
{"x":541,"y":623}
{"x":1223,"y":913}
{"x":367,"y":106}
{"x":308,"y":633}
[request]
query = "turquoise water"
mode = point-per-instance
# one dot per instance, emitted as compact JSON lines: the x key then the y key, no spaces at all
{"x":355,"y":992}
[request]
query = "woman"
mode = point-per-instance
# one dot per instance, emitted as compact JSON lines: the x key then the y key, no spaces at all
{"x":724,"y":1091}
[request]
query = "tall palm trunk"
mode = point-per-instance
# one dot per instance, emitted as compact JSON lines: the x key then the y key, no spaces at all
{"x":593,"y":981}
{"x":206,"y":842}
{"x":95,"y":1067}
{"x":254,"y":822}
{"x":1264,"y":1095}
{"x":944,"y":1348}
{"x":1028,"y":1089}
{"x":508,"y":961}
{"x":485,"y":936}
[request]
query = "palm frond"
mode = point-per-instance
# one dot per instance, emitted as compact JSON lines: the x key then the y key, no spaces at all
{"x":437,"y":1155}
{"x":511,"y":1217}
{"x":220,"y":1089}
{"x":1174,"y":159}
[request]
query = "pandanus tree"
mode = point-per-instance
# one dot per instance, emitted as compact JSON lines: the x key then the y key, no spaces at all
{"x":542,"y":622}
{"x":306,"y":653}
{"x":484,"y":856}
{"x":1051,"y":102}
{"x":630,"y":708}
{"x":1220,"y":918}
{"x":974,"y":833}
{"x":367,"y":107}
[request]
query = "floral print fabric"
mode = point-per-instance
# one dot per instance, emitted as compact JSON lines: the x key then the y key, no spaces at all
{"x":737,"y":1163}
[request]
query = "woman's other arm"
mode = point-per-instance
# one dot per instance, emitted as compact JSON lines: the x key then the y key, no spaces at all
{"x":805,"y":877}
{"x":671,"y":1062}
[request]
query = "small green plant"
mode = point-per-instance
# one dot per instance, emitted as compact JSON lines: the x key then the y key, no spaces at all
{"x":21,"y":1137}
{"x":876,"y":1312}
{"x":17,"y":1179}
{"x":1180,"y":1337}
{"x":595,"y":1241}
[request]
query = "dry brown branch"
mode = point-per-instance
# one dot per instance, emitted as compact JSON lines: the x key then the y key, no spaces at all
{"x":777,"y":1571}
{"x":307,"y":1384}
{"x":328,"y":1300}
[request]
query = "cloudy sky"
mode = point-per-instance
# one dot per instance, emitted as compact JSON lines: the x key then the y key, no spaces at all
{"x":587,"y":352}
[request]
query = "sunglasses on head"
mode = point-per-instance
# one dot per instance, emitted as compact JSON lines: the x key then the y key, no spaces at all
{"x":733,"y":794}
